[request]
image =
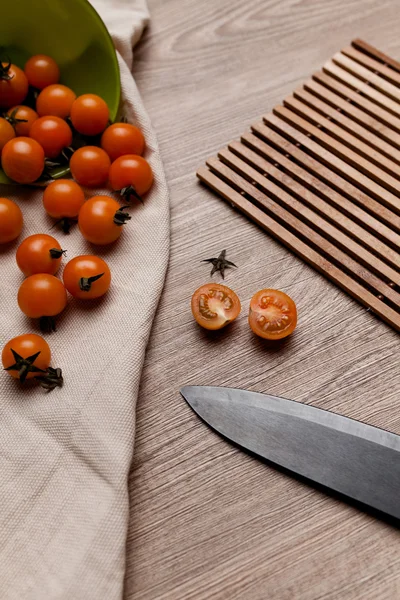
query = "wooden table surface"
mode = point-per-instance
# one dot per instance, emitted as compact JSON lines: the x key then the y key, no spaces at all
{"x":208,"y":521}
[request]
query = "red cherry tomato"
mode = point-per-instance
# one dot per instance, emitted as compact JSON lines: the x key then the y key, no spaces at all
{"x":272,"y":314}
{"x":63,"y":198}
{"x":52,"y":133}
{"x":90,"y":166}
{"x":21,"y":118}
{"x":87,"y":277}
{"x":42,"y":296}
{"x":39,"y":253}
{"x":11,"y":221}
{"x":100,"y":220}
{"x":22,"y":160}
{"x":23,"y":347}
{"x":7,"y":133}
{"x":55,"y":100}
{"x":13,"y":85}
{"x":41,"y":71}
{"x":89,"y":114}
{"x":132,"y":174}
{"x":214,"y":306}
{"x":122,"y":138}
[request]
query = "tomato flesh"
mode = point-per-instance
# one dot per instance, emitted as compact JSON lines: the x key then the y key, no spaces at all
{"x":214,"y":306}
{"x":272,"y":315}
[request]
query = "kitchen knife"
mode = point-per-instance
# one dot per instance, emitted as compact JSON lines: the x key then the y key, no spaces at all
{"x":356,"y":460}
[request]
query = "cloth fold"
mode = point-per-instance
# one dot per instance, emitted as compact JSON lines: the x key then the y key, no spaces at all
{"x":65,"y":456}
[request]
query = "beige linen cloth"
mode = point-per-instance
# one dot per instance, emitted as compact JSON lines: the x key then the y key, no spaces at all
{"x":65,"y":455}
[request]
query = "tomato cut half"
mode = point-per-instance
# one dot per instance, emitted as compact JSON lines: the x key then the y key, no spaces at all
{"x":215,"y":305}
{"x":272,"y":315}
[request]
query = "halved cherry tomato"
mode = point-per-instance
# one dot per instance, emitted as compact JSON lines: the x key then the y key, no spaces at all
{"x":22,"y":160}
{"x":100,"y":220}
{"x":41,"y":71}
{"x":90,"y":166}
{"x":122,"y":138}
{"x":89,"y":114}
{"x":215,"y":305}
{"x":87,"y":277}
{"x":52,"y":133}
{"x":13,"y":85}
{"x":21,"y":118}
{"x":272,"y":315}
{"x":39,"y":253}
{"x":23,"y":347}
{"x":42,"y":296}
{"x":131,"y":175}
{"x":10,"y":220}
{"x":62,"y":200}
{"x":7,"y":133}
{"x":55,"y":100}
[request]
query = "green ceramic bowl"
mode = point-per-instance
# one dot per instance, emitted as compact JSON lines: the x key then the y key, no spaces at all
{"x":70,"y":31}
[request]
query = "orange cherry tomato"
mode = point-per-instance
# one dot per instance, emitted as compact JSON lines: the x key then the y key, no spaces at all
{"x":272,"y":315}
{"x":13,"y":85}
{"x":87,"y":277}
{"x":42,"y":296}
{"x":122,"y":138}
{"x":22,"y":160}
{"x":10,"y":220}
{"x":215,"y":305}
{"x":63,"y":199}
{"x":55,"y":100}
{"x":41,"y":71}
{"x":7,"y":133}
{"x":100,"y":220}
{"x":21,"y":118}
{"x":39,"y":253}
{"x":25,"y":347}
{"x":90,"y":166}
{"x":132,"y":174}
{"x":52,"y":133}
{"x":89,"y":114}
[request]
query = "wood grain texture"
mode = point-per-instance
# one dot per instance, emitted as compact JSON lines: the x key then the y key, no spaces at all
{"x":207,"y":521}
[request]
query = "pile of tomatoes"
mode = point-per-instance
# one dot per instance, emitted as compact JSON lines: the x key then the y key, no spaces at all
{"x":35,"y":137}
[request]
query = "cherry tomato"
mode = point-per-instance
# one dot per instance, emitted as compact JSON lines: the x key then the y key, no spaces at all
{"x":100,"y":220}
{"x":10,"y":220}
{"x":55,"y":100}
{"x":63,"y":199}
{"x":22,"y":160}
{"x":89,"y":114}
{"x":42,"y":296}
{"x":87,"y":277}
{"x":41,"y":71}
{"x":131,"y":172}
{"x":21,"y":118}
{"x":272,"y":315}
{"x":215,"y":305}
{"x":26,"y":347}
{"x":39,"y":253}
{"x":7,"y":133}
{"x":52,"y":133}
{"x":122,"y":138}
{"x":13,"y":85}
{"x":90,"y":166}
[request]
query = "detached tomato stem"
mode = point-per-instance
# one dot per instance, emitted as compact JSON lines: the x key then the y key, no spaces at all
{"x":51,"y":379}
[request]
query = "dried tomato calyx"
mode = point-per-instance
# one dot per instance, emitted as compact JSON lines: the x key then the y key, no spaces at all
{"x":57,"y":252}
{"x":85,"y":283}
{"x":24,"y":365}
{"x":51,"y":379}
{"x":121,"y":217}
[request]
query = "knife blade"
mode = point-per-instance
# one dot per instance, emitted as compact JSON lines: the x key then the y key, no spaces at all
{"x":359,"y":461}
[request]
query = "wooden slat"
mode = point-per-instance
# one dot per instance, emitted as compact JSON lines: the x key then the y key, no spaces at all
{"x":375,"y":53}
{"x":356,"y":115}
{"x":303,"y":183}
{"x":371,"y":108}
{"x":322,"y":170}
{"x":337,"y":161}
{"x":328,"y":126}
{"x":367,"y":76}
{"x":372,"y":64}
{"x":362,"y":87}
{"x":336,"y":114}
{"x":301,"y":248}
{"x":309,"y":209}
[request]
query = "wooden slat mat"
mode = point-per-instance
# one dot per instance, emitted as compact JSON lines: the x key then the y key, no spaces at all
{"x":322,"y":174}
